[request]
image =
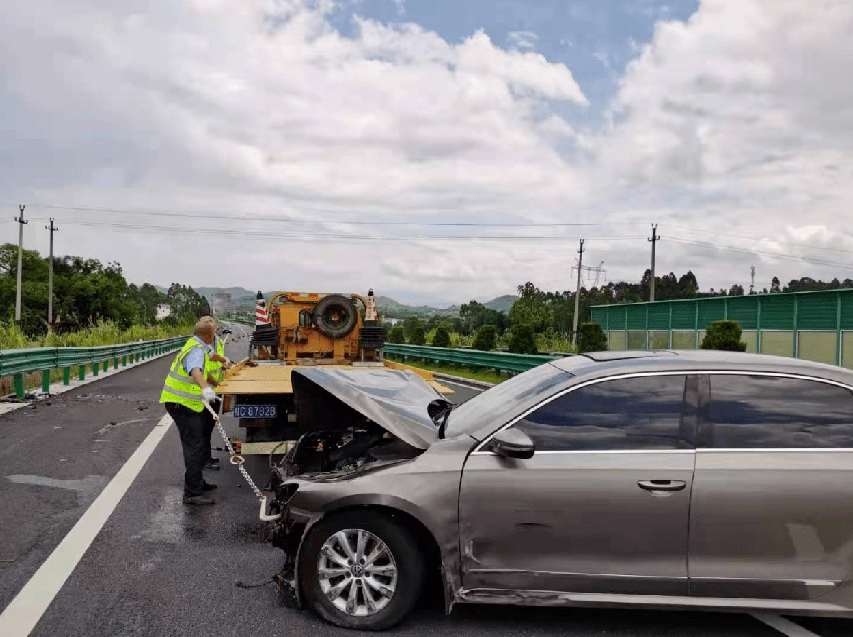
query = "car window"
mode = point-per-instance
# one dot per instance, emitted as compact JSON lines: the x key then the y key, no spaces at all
{"x":500,"y":404}
{"x":624,"y":414}
{"x":763,"y":411}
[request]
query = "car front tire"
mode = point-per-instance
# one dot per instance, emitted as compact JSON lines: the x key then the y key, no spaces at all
{"x":361,"y":570}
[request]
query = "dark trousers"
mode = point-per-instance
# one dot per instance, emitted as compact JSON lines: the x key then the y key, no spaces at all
{"x":191,"y":426}
{"x":210,"y":425}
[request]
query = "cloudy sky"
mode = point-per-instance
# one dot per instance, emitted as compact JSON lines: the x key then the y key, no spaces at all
{"x":332,"y":145}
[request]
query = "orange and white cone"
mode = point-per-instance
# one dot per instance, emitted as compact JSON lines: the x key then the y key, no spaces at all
{"x":370,"y":310}
{"x":261,"y":316}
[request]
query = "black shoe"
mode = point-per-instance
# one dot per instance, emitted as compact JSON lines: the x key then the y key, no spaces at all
{"x":198,"y":499}
{"x":208,"y":487}
{"x":213,"y":465}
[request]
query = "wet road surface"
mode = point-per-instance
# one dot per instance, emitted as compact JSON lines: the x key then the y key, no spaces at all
{"x":158,"y":567}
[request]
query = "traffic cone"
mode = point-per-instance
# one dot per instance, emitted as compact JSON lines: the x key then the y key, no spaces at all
{"x":261,"y":317}
{"x":372,"y":335}
{"x":370,"y":310}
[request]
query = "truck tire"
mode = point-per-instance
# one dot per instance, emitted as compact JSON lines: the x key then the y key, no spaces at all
{"x":335,"y":316}
{"x":398,"y":571}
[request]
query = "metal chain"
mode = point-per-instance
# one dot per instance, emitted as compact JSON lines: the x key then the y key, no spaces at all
{"x":236,"y":459}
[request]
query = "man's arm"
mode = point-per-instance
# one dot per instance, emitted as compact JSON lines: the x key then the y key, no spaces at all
{"x":198,"y":377}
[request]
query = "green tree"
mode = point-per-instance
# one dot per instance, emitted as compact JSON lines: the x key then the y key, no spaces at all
{"x":724,"y":335}
{"x":441,"y":338}
{"x":532,"y":309}
{"x":397,"y":335}
{"x":410,"y":324}
{"x":474,"y":315}
{"x":522,"y":341}
{"x":486,"y":338}
{"x":591,"y":338}
{"x":417,"y":337}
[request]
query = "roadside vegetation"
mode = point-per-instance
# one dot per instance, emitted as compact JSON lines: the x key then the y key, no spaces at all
{"x":490,"y":376}
{"x":104,"y":333}
{"x":93,"y":304}
{"x":541,"y":321}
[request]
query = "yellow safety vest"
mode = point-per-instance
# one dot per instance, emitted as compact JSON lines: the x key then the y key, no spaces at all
{"x":179,"y":386}
{"x":214,"y":368}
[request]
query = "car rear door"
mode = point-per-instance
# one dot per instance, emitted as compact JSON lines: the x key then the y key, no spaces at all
{"x":601,"y":507}
{"x":773,"y":489}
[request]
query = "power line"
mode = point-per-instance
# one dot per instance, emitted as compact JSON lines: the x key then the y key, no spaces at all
{"x":225,"y":215}
{"x":786,"y":257}
{"x":756,"y":238}
{"x":274,"y":234}
{"x":232,"y":217}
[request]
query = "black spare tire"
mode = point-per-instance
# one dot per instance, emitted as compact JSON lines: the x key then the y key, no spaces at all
{"x":335,"y":316}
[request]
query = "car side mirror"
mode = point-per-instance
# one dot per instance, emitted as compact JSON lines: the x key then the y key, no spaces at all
{"x":512,"y":443}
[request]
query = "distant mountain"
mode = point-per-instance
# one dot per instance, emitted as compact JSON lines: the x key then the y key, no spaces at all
{"x":385,"y":304}
{"x":390,"y":307}
{"x":235,"y":292}
{"x":502,"y":303}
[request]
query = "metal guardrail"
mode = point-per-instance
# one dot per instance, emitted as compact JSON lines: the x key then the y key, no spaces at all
{"x":17,"y":362}
{"x":502,"y":361}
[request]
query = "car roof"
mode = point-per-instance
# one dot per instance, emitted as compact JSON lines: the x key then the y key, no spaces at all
{"x":609,"y":363}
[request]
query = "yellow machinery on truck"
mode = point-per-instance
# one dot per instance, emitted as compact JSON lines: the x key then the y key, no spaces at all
{"x":305,"y":329}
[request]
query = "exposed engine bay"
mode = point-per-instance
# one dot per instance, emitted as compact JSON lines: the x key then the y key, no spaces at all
{"x":343,"y":451}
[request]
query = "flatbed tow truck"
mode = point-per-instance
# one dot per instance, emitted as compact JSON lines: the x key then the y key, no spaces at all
{"x":276,"y":408}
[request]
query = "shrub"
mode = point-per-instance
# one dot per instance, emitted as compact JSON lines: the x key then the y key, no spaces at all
{"x":522,"y":340}
{"x":441,"y":338}
{"x":486,"y":338}
{"x":418,"y":337}
{"x":725,"y":336}
{"x":591,"y":338}
{"x":397,"y":335}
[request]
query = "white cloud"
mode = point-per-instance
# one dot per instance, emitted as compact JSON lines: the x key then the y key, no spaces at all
{"x":523,"y":39}
{"x":744,"y":104}
{"x":737,"y":120}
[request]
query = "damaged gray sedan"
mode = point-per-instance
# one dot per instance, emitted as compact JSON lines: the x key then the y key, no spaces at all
{"x":650,"y":479}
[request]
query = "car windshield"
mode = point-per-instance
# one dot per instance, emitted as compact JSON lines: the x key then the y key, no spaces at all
{"x":502,"y":402}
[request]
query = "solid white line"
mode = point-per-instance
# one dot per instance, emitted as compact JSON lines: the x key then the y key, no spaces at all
{"x":24,"y":612}
{"x":784,"y":626}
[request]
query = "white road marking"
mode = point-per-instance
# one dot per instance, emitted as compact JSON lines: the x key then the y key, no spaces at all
{"x":784,"y":626}
{"x":24,"y":612}
{"x":89,"y":483}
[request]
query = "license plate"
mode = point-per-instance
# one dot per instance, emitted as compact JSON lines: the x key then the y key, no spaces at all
{"x":255,"y":411}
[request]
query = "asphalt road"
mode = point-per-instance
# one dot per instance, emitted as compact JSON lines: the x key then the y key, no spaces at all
{"x":158,"y":567}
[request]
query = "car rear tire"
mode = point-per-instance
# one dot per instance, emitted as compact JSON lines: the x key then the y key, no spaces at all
{"x":375,"y":596}
{"x":335,"y":316}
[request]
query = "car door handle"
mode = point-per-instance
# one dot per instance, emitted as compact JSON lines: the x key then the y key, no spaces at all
{"x":662,"y":485}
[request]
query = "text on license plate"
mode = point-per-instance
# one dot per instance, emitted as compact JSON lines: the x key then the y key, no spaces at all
{"x":255,"y":411}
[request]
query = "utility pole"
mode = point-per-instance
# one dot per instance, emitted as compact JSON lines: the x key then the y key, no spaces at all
{"x":653,"y":241}
{"x":577,"y":298}
{"x":52,"y":229}
{"x":21,"y":223}
{"x":752,"y":283}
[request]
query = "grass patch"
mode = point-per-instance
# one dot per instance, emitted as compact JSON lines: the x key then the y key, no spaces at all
{"x":488,"y":375}
{"x":103,"y":333}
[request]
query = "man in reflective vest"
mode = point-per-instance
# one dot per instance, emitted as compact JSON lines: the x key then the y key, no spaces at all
{"x":184,"y":394}
{"x":214,"y":374}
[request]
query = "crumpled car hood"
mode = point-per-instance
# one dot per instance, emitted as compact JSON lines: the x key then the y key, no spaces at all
{"x":395,"y":400}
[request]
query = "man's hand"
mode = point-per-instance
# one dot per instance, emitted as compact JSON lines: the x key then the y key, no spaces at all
{"x":216,"y":358}
{"x":208,"y":395}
